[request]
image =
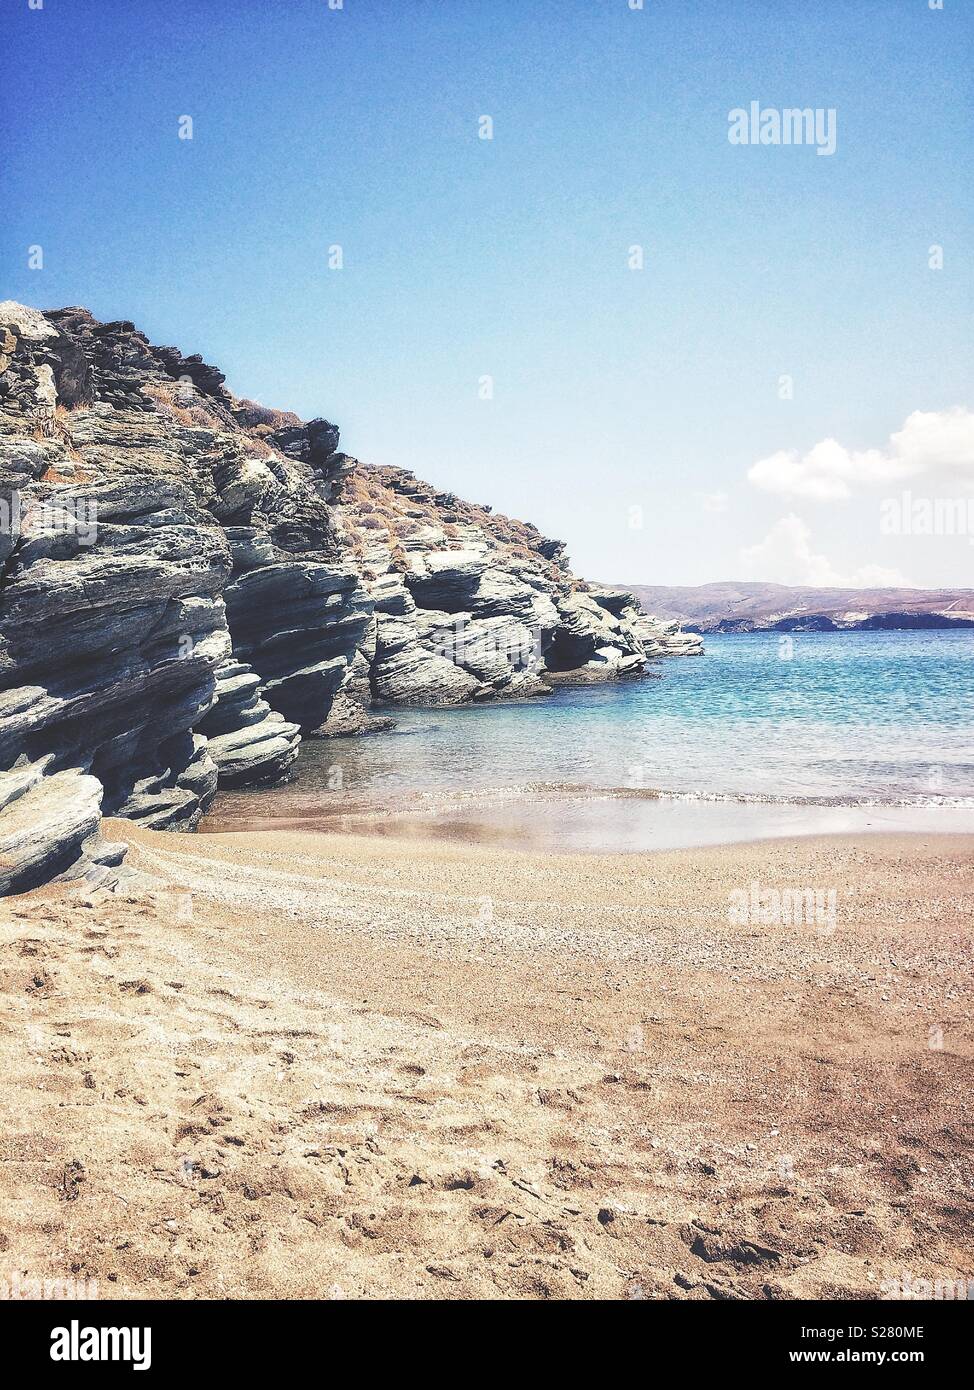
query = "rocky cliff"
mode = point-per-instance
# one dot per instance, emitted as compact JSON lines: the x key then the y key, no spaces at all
{"x":190,"y":582}
{"x":472,"y":606}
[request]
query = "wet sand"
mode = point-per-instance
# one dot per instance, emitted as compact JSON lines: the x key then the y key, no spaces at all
{"x":550,"y":820}
{"x":319,"y":1065}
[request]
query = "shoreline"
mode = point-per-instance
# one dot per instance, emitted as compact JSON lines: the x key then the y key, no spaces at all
{"x":312,"y":1065}
{"x":571,"y":820}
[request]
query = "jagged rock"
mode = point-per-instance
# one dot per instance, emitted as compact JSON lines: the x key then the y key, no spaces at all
{"x":299,"y":624}
{"x":508,"y":594}
{"x":589,"y":634}
{"x":347,"y":718}
{"x":254,"y":754}
{"x":249,"y":742}
{"x":502,"y":653}
{"x":446,"y":579}
{"x":661,"y":638}
{"x":175,"y":797}
{"x":658,"y":637}
{"x":49,"y":827}
{"x":407,"y":672}
{"x":314,"y":442}
{"x":110,"y":627}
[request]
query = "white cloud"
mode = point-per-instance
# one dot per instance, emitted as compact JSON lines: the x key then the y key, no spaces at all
{"x":939,"y":443}
{"x":785,"y":556}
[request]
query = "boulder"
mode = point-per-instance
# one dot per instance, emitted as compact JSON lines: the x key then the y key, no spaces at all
{"x":49,"y":827}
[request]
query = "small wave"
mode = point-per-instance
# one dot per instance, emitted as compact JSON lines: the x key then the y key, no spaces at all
{"x":290,"y":805}
{"x":588,"y":792}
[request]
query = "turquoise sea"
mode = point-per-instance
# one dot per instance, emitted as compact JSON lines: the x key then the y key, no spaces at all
{"x":765,"y":734}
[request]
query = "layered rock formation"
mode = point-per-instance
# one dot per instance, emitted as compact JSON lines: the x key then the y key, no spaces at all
{"x":474,"y":606}
{"x":191,"y":581}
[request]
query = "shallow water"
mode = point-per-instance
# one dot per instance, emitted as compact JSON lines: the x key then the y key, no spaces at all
{"x":762,"y":735}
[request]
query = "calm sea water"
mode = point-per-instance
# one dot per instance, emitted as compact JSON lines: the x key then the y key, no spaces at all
{"x":777,"y":725}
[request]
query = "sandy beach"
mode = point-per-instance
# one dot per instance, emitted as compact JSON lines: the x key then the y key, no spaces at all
{"x":301,"y":1065}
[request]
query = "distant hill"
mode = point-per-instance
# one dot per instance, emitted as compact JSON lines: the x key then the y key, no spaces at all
{"x":733,"y":606}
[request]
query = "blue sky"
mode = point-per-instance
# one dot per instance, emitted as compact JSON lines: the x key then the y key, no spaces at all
{"x":613,"y":389}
